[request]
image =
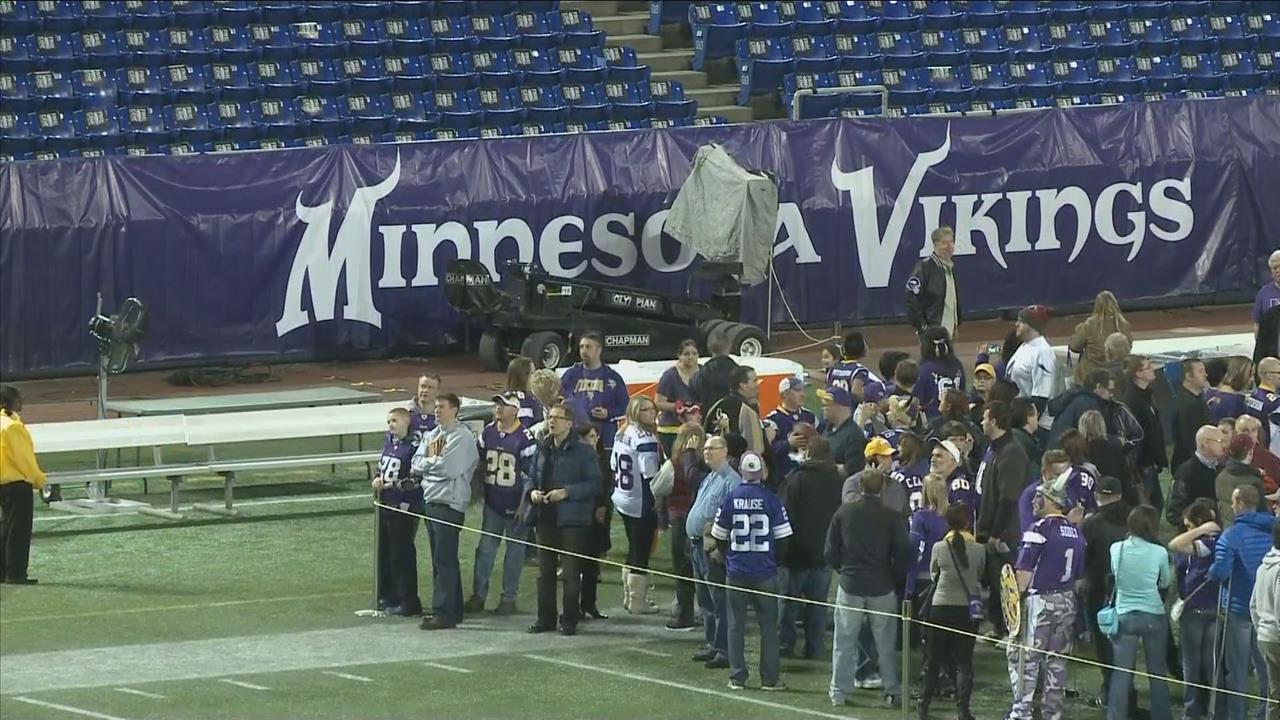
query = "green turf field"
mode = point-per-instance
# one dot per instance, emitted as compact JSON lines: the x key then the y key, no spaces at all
{"x":254,"y":618}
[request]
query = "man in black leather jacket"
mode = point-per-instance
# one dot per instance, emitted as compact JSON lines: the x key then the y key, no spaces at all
{"x":933,"y":297}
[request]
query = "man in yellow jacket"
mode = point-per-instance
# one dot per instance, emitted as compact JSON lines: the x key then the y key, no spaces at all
{"x":20,"y":477}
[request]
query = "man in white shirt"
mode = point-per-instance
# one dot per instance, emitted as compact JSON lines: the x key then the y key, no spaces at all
{"x":1032,"y":366}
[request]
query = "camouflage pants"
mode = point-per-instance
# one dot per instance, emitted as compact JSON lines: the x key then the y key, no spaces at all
{"x":1048,"y":622}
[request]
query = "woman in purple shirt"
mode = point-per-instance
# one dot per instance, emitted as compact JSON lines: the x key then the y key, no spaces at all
{"x":673,"y":387}
{"x":940,"y":370}
{"x":927,"y":526}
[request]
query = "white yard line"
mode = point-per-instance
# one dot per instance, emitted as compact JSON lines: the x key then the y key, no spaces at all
{"x":141,"y":693}
{"x":189,"y":606}
{"x":63,"y":517}
{"x":647,"y":651}
{"x":691,"y":688}
{"x":67,"y":709}
{"x":346,"y":676}
{"x":242,"y":684}
{"x":450,"y":668}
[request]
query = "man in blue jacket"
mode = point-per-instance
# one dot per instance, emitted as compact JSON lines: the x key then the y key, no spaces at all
{"x":561,"y":492}
{"x":1235,"y":564}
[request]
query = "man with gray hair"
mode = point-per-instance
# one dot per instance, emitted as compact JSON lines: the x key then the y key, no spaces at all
{"x":1269,"y":295}
{"x":1197,"y":476}
{"x":933,"y":297}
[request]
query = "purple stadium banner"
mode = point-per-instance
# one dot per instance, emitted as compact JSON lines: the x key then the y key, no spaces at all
{"x":319,"y":251}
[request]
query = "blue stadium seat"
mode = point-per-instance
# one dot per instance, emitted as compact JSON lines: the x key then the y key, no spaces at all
{"x":495,"y":32}
{"x":1118,"y":75}
{"x":1076,"y":77}
{"x":16,"y":94}
{"x":578,"y":126}
{"x":1160,"y":73}
{"x":197,"y":13}
{"x":1204,"y":71}
{"x":143,"y":124}
{"x":1153,"y":35}
{"x":502,"y":106}
{"x":495,"y":68}
{"x":407,"y":136}
{"x":15,"y":130}
{"x":582,"y":65}
{"x":361,"y":137}
{"x":275,"y":117}
{"x":189,"y":121}
{"x":281,"y":12}
{"x":188,"y":83}
{"x":142,"y":85}
{"x":55,"y":127}
{"x":106,"y":15}
{"x":1071,"y":35}
{"x":451,"y":8}
{"x":58,"y":15}
{"x":143,"y":46}
{"x":325,"y":10}
{"x":814,"y":54}
{"x":907,"y":102}
{"x":458,"y":108}
{"x":362,"y":37}
{"x":18,"y":18}
{"x":809,"y":17}
{"x":450,"y":133}
{"x":544,"y":104}
{"x":362,"y":74}
{"x":232,"y":81}
{"x":624,"y":65}
{"x":368,"y":113}
{"x":851,"y":16}
{"x":406,"y":36}
{"x":665,"y":13}
{"x":669,"y":100}
{"x":1029,"y":42}
{"x":537,"y":66}
{"x":579,"y":30}
{"x":1265,"y":23}
{"x":905,"y":78}
{"x":147,"y":14}
{"x":1230,"y":32}
{"x":855,"y":78}
{"x":1032,"y":75}
{"x":1242,"y":70}
{"x":1111,"y":37}
{"x":318,"y":74}
{"x":407,"y":73}
{"x":186,"y":45}
{"x":411,"y":111}
{"x":1109,"y":10}
{"x":943,"y":47}
{"x":857,"y":105}
{"x":984,"y":45}
{"x":1069,"y":11}
{"x":587,"y":103}
{"x":230,"y":43}
{"x":453,"y":71}
{"x":323,"y":115}
{"x":630,"y":101}
{"x":899,"y":44}
{"x":1157,"y":10}
{"x":813,"y":105}
{"x":98,"y":48}
{"x":538,"y":29}
{"x":894,"y":15}
{"x":763,"y":19}
{"x":709,"y":120}
{"x":716,"y":31}
{"x":54,"y":89}
{"x":629,"y":124}
{"x":275,"y":77}
{"x":981,"y":13}
{"x":762,"y":63}
{"x":856,"y":52}
{"x":312,"y":39}
{"x":663,"y":123}
{"x":53,"y":50}
{"x":937,"y":14}
{"x":450,"y":34}
{"x":1193,"y":34}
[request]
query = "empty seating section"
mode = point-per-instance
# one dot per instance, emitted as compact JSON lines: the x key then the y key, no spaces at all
{"x":951,"y":56}
{"x":96,"y":77}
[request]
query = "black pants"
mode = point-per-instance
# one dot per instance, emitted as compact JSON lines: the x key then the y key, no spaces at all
{"x":446,"y":571}
{"x":995,"y":608}
{"x":640,"y":532}
{"x":683,"y":567}
{"x":570,"y":540}
{"x":397,"y":561}
{"x":946,"y":648}
{"x":16,"y":511}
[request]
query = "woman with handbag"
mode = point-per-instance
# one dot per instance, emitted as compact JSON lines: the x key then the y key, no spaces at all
{"x":956,"y":565}
{"x":675,"y":486}
{"x":1140,"y":565}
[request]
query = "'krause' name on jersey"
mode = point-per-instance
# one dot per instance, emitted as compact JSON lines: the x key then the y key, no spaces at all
{"x":750,"y":519}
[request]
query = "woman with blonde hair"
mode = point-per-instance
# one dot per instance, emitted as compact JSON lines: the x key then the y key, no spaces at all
{"x":927,"y":526}
{"x":518,"y":372}
{"x":1226,"y":401}
{"x":635,"y":462}
{"x":688,"y":470}
{"x":1090,"y":336}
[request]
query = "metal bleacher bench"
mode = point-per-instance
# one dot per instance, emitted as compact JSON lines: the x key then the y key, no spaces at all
{"x":207,"y":432}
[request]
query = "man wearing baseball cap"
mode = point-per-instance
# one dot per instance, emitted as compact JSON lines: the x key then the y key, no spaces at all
{"x":785,"y":417}
{"x":751,"y":530}
{"x":1032,"y":366}
{"x":879,"y":456}
{"x":844,"y":435}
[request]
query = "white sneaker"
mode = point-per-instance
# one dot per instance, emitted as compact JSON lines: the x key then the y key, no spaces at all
{"x":872,"y":682}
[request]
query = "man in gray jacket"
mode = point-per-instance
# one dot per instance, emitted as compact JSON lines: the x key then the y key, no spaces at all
{"x":446,"y":460}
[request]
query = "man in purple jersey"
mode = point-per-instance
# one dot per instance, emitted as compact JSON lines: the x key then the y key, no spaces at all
{"x":422,"y":408}
{"x":1264,"y":402}
{"x":1050,"y":561}
{"x":598,"y":387}
{"x":850,"y":373}
{"x":945,"y":461}
{"x":1269,"y":295}
{"x":506,"y":447}
{"x":399,"y":494}
{"x":785,"y":417}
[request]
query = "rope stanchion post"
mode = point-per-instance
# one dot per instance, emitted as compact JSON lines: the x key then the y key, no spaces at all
{"x":905,"y":682}
{"x":904,"y":617}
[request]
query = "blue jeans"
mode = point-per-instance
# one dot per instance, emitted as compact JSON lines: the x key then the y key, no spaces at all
{"x":766,"y":609}
{"x":1196,"y":632}
{"x":849,"y":623}
{"x":446,"y":572}
{"x":1153,"y":631}
{"x":1241,"y":653}
{"x":487,"y":552}
{"x":712,"y":600}
{"x":810,"y":584}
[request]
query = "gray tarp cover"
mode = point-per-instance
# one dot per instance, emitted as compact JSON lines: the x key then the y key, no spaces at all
{"x":726,"y":213}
